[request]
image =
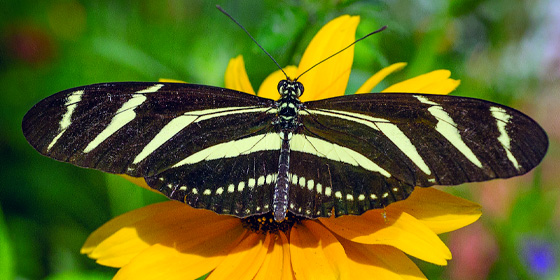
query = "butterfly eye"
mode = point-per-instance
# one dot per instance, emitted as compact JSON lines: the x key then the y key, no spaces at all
{"x":300,"y":89}
{"x":281,"y":86}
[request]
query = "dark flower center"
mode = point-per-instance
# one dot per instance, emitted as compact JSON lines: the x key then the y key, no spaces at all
{"x":265,"y":223}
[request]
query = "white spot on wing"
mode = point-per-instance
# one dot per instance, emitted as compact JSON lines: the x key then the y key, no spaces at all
{"x":260,"y":181}
{"x":240,"y":186}
{"x":251,"y":183}
{"x":310,"y":184}
{"x":338,"y":194}
{"x":294,"y":179}
{"x":302,"y":182}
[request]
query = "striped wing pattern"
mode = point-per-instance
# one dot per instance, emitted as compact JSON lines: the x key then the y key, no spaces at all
{"x":430,"y":140}
{"x":147,"y":130}
{"x":117,"y":127}
{"x":420,"y":140}
{"x":218,"y":149}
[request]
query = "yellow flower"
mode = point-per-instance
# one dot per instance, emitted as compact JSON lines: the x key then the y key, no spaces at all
{"x":171,"y":240}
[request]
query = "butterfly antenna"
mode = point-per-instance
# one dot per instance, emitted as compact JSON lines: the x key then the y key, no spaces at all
{"x":376,"y":31}
{"x":236,"y":22}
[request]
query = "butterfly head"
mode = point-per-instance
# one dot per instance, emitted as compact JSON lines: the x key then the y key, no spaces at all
{"x":290,"y":88}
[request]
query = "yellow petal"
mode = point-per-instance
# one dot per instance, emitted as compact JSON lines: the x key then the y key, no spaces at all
{"x":163,"y":80}
{"x":161,"y":262}
{"x":399,"y":230}
{"x":316,"y":253}
{"x":244,"y":260}
{"x":435,"y":82}
{"x":438,"y":210}
{"x":379,"y":76}
{"x":331,"y":77}
{"x":125,"y":220}
{"x":269,"y":87}
{"x":123,"y":246}
{"x":139,"y":181}
{"x":236,"y":76}
{"x":288,"y":271}
{"x":277,"y":264}
{"x":172,"y":223}
{"x":385,"y":262}
{"x":176,"y":262}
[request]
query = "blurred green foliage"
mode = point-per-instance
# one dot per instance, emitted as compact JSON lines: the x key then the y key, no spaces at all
{"x":494,"y":46}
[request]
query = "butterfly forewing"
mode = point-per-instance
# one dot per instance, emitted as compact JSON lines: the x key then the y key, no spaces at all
{"x":426,"y":140}
{"x":141,"y":129}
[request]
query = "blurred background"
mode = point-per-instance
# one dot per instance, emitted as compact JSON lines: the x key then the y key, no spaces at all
{"x":507,"y":51}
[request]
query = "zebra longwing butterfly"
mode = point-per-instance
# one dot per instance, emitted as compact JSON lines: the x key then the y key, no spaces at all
{"x":243,"y":155}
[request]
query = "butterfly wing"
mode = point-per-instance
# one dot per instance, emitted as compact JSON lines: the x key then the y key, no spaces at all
{"x":366,"y":151}
{"x":182,"y":137}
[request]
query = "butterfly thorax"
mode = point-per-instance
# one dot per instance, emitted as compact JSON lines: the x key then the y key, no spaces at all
{"x":288,"y":105}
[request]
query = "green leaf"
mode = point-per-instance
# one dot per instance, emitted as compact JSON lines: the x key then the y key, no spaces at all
{"x":6,"y":254}
{"x":79,"y":276}
{"x":123,"y":195}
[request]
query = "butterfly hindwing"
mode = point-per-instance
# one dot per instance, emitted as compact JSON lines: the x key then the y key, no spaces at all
{"x":322,"y":183}
{"x":239,"y":186}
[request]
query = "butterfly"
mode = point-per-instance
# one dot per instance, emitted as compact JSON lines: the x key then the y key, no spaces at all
{"x":243,"y":155}
{"x":239,"y":154}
